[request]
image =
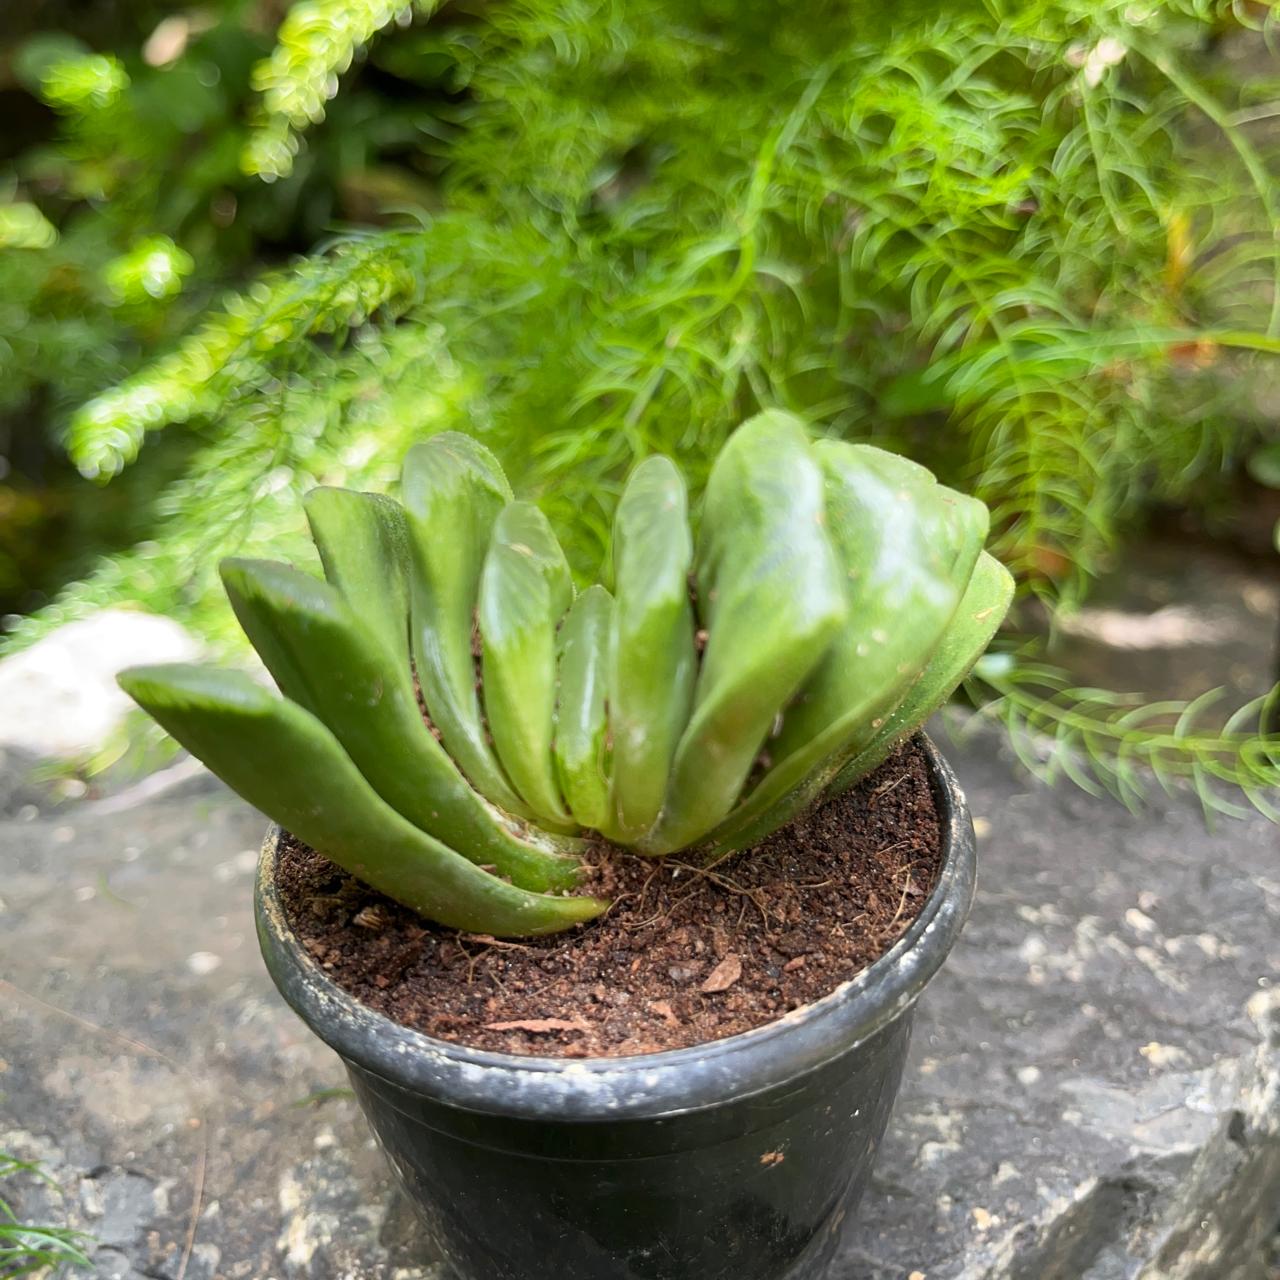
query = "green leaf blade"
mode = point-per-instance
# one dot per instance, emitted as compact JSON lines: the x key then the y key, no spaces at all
{"x":282,"y":760}
{"x":976,"y":621}
{"x":525,"y":589}
{"x":326,"y":659}
{"x":963,"y":641}
{"x":363,"y":541}
{"x":903,"y":541}
{"x":771,"y":595}
{"x":453,"y":489}
{"x":654,"y":661}
{"x":582,"y":725}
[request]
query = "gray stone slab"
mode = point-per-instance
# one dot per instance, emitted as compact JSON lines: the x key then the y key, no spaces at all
{"x":1094,"y":1091}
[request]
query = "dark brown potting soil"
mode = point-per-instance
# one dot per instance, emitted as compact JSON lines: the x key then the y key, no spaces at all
{"x":684,"y":956}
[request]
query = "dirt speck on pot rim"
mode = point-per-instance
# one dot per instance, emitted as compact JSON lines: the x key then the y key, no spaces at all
{"x":685,"y":956}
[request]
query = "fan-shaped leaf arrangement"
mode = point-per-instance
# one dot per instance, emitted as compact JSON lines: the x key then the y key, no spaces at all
{"x":835,"y":595}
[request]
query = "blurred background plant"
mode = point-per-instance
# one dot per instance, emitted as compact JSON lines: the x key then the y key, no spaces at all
{"x":1031,"y":244}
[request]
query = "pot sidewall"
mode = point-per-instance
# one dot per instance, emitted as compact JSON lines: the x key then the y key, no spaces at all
{"x":528,"y":1168}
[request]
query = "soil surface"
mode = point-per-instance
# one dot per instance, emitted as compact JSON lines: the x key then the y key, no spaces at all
{"x":684,"y":956}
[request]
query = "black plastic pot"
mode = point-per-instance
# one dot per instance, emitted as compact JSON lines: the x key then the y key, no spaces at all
{"x":735,"y":1160}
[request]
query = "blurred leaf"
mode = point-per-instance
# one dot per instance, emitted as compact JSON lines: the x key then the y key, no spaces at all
{"x":23,"y":226}
{"x":1264,"y":465}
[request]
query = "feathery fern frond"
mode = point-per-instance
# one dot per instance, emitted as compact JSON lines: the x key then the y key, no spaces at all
{"x":315,"y":45}
{"x":255,"y":333}
{"x":1121,"y":743}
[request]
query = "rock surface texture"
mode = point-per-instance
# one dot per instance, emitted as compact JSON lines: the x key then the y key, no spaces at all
{"x":1094,"y":1091}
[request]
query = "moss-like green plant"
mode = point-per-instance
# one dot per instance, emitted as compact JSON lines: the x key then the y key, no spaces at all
{"x":835,"y":596}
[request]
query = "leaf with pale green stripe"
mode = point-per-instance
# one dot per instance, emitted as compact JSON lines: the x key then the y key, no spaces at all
{"x":325,"y":658}
{"x":965,"y":640}
{"x":962,"y":643}
{"x":525,"y":589}
{"x":960,"y":522}
{"x":452,"y":489}
{"x":363,"y":540}
{"x":771,"y":593}
{"x":653,"y":663}
{"x":891,"y":527}
{"x":282,"y":760}
{"x":582,"y":726}
{"x":907,"y":546}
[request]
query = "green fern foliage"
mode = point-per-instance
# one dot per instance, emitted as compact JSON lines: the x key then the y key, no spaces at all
{"x":331,"y":295}
{"x":1029,"y":244}
{"x":316,"y":43}
{"x":1121,"y":744}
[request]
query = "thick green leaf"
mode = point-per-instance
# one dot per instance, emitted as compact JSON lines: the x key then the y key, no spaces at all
{"x":281,"y":759}
{"x":653,"y":659}
{"x":960,"y":521}
{"x":907,"y":546}
{"x":1264,"y":464}
{"x":771,"y":595}
{"x":524,"y":591}
{"x":892,"y":527}
{"x":582,"y":726}
{"x":363,"y":540}
{"x":453,"y":489}
{"x":965,"y":640}
{"x":326,"y":659}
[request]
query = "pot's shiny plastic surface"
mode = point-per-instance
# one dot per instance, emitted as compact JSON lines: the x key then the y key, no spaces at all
{"x":735,"y":1160}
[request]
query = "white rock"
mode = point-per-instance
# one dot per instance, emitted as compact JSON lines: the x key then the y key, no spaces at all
{"x":60,"y":697}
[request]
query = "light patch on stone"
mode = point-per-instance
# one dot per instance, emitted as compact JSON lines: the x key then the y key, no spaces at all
{"x":1164,"y":1055}
{"x":1033,"y":948}
{"x":1173,"y":627}
{"x":244,"y":863}
{"x":208,"y":1256}
{"x":1153,"y":961}
{"x":1259,"y":599}
{"x":203,"y":962}
{"x":1214,"y":948}
{"x":1046,"y":913}
{"x":932,"y":1153}
{"x":1028,"y":1075}
{"x":1139,"y":921}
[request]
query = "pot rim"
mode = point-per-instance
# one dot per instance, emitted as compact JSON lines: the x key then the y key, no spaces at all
{"x":640,"y":1086}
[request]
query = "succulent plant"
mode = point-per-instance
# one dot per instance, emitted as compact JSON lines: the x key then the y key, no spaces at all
{"x":454,"y":717}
